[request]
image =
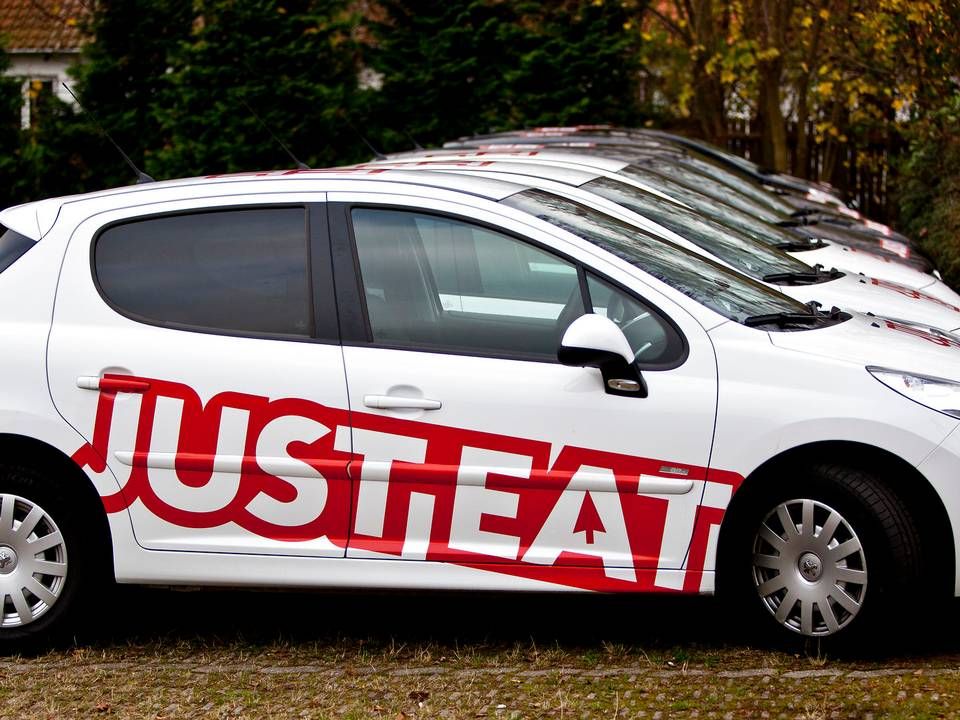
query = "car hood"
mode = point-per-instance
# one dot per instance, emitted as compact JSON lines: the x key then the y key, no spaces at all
{"x":880,"y":297}
{"x":879,"y":342}
{"x":870,"y":264}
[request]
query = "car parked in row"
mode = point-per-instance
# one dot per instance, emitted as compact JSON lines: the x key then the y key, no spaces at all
{"x":380,"y":378}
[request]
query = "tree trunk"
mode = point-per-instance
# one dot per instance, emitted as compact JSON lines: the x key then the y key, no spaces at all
{"x":774,"y":127}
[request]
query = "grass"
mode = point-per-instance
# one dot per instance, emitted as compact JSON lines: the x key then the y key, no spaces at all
{"x":255,"y":655}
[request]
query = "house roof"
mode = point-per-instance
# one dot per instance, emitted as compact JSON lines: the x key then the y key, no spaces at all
{"x":42,"y":25}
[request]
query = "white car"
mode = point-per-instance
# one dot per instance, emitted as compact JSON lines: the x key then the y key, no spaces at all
{"x":416,"y":380}
{"x":663,"y":217}
{"x":818,"y":251}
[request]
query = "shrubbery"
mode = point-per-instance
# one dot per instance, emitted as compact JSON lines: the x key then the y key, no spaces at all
{"x":929,"y":189}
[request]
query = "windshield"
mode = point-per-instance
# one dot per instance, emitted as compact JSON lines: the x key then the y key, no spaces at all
{"x":728,"y":293}
{"x":753,"y":227}
{"x":749,"y":188}
{"x":746,"y":255}
{"x":706,"y":186}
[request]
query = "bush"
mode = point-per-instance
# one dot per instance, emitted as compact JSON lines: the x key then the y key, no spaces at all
{"x":930,"y":189}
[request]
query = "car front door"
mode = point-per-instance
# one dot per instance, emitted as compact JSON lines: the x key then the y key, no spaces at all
{"x":474,"y":446}
{"x":194,"y":346}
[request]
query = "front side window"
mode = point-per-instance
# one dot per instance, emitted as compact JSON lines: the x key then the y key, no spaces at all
{"x":234,"y":271}
{"x":433,"y":282}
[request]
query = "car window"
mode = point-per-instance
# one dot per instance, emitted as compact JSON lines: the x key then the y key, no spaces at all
{"x":652,"y":340}
{"x":743,"y":253}
{"x":438,"y":282}
{"x":657,"y":171}
{"x":729,"y":293}
{"x":239,"y":271}
{"x":12,"y":246}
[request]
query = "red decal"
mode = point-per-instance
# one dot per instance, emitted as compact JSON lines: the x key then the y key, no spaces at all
{"x":911,"y":293}
{"x":924,"y":334}
{"x":588,"y":521}
{"x":283,"y":470}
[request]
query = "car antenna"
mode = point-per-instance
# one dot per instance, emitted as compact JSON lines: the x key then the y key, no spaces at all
{"x":142,"y":177}
{"x":413,"y":141}
{"x":376,"y":153}
{"x":300,"y":165}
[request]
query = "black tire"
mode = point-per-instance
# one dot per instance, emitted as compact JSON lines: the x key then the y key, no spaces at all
{"x":67,"y":510}
{"x":877,"y":519}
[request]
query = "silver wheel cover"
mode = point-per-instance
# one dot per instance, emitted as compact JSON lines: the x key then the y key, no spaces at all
{"x":33,"y":561}
{"x":809,"y":567}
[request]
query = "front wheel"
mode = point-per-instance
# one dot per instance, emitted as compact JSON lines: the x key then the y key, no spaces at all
{"x":828,"y":550}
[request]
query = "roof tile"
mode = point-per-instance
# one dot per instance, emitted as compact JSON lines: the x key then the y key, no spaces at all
{"x":42,"y":24}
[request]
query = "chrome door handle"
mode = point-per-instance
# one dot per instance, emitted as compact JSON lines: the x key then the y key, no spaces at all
{"x":396,"y":402}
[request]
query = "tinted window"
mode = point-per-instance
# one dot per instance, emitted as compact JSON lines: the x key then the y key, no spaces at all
{"x":437,"y":282}
{"x":12,"y":246}
{"x":237,"y":270}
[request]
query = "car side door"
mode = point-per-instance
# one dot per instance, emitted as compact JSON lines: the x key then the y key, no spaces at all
{"x":474,"y":446}
{"x":194,"y":345}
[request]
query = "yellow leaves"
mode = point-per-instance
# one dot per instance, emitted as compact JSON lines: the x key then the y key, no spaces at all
{"x":71,"y":21}
{"x":281,"y":10}
{"x":824,"y":14}
{"x":647,"y":37}
{"x":825,"y":89}
{"x":806,"y":22}
{"x":727,"y":77}
{"x":597,"y":3}
{"x":770,"y":53}
{"x":681,"y":23}
{"x":628,"y":25}
{"x":898,"y":103}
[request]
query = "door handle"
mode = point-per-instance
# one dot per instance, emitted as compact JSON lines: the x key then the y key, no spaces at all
{"x":112,"y":384}
{"x":397,"y":402}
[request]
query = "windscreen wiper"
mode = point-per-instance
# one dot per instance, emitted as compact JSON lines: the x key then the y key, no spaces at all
{"x":782,"y":319}
{"x":804,"y":278}
{"x":800,"y":245}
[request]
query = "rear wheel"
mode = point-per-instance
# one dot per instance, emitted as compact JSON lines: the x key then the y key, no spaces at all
{"x":827,"y":551}
{"x":51,"y":558}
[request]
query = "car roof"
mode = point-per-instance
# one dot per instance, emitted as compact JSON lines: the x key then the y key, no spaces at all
{"x":568,"y":156}
{"x":34,"y":219}
{"x":565,"y":174}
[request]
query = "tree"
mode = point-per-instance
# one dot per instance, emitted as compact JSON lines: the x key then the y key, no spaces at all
{"x":469,"y":66}
{"x":119,"y":79}
{"x":294,"y":63}
{"x":10,"y":101}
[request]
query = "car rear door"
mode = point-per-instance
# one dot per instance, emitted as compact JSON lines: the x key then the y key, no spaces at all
{"x":474,"y":446}
{"x":194,"y":345}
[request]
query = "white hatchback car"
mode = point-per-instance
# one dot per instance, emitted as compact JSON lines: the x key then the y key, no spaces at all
{"x":419,"y":380}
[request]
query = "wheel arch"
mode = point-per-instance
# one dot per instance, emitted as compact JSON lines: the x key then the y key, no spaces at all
{"x":25,"y":450}
{"x":903,"y":479}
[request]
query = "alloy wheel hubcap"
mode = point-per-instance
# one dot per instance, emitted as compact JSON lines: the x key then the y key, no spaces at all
{"x":33,"y":561}
{"x":809,"y":567}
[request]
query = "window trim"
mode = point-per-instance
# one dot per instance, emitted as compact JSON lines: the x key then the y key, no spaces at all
{"x":356,"y":329}
{"x":323,"y":327}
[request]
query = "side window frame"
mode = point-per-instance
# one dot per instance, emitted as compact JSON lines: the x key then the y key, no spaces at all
{"x":351,"y":300}
{"x":323,"y":323}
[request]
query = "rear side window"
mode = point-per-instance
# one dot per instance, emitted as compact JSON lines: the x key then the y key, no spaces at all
{"x":12,"y":246}
{"x":234,"y":271}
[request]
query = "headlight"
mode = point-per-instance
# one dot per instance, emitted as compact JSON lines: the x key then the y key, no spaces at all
{"x":932,"y":392}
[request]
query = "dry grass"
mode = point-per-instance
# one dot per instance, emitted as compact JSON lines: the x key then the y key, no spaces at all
{"x":249,"y":655}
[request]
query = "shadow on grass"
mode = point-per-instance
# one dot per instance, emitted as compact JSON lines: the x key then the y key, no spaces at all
{"x":568,"y":622}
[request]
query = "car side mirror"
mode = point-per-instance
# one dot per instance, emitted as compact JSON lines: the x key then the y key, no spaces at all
{"x":595,"y":341}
